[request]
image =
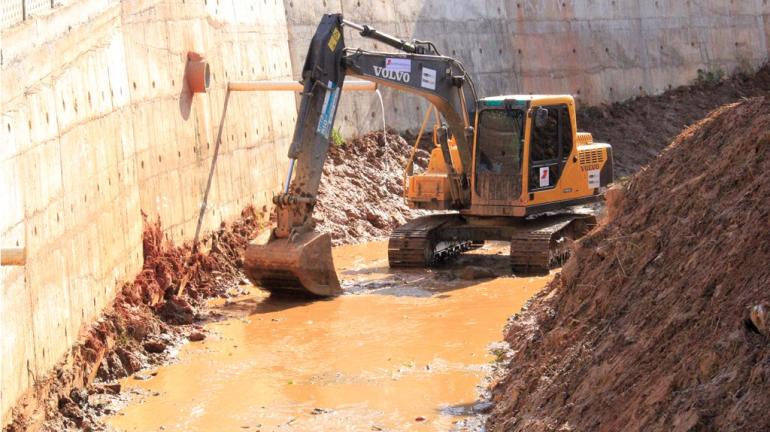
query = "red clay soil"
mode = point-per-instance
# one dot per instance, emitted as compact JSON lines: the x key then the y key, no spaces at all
{"x":639,"y":129}
{"x":646,"y":328}
{"x":361,"y":193}
{"x":145,"y":319}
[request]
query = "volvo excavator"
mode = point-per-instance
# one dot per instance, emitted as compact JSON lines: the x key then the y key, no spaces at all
{"x":505,"y":168}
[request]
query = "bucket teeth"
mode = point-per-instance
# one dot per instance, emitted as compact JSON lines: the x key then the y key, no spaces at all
{"x":302,"y":263}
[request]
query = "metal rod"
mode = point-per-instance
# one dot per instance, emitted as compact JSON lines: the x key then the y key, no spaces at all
{"x":351,"y":24}
{"x":288,"y":175}
{"x":211,"y":172}
{"x":351,"y":85}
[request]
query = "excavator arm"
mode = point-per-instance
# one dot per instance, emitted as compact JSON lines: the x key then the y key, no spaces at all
{"x":294,"y":256}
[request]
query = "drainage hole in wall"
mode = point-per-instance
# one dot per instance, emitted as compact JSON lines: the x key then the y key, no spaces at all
{"x":160,"y":159}
{"x":89,"y":98}
{"x":141,"y":164}
{"x":134,"y":85}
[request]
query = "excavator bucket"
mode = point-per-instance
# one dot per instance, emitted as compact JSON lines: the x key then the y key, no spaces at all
{"x":302,"y":263}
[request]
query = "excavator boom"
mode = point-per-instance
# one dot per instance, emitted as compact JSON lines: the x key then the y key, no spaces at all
{"x":294,"y":256}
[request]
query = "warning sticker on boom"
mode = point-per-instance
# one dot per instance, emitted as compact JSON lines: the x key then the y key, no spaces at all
{"x":428,"y":78}
{"x":328,"y":109}
{"x":398,"y":65}
{"x":335,"y":37}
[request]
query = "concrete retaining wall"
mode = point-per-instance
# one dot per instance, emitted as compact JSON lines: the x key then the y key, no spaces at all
{"x":97,"y":124}
{"x":598,"y":50}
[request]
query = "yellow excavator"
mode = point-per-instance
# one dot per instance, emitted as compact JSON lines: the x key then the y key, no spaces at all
{"x":507,"y":168}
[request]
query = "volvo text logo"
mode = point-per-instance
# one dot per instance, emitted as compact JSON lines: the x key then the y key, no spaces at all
{"x":392,"y":75}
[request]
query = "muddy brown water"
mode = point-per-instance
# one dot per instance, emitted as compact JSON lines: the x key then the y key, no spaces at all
{"x":403,"y":351}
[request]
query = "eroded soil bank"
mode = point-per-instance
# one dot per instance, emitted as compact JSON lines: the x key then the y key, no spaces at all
{"x":639,"y":129}
{"x":400,"y":351}
{"x":661,"y":319}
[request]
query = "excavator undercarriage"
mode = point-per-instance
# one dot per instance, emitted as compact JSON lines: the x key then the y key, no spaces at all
{"x":537,"y":244}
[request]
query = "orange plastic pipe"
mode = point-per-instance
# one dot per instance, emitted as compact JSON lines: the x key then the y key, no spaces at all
{"x":357,"y":85}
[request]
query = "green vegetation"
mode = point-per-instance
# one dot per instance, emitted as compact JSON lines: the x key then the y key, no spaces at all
{"x":337,"y":138}
{"x":711,"y":75}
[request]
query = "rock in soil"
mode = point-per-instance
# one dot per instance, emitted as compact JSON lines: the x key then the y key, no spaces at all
{"x":758,"y":315}
{"x":177,"y":311}
{"x":196,"y":336}
{"x":475,"y":272}
{"x":154,"y":347}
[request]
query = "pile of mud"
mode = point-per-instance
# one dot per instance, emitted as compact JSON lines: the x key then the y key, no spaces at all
{"x":139,"y":329}
{"x":361,"y":193}
{"x":639,"y":129}
{"x":648,"y":327}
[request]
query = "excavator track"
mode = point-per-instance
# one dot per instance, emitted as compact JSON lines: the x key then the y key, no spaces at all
{"x":547,"y":244}
{"x":414,"y":244}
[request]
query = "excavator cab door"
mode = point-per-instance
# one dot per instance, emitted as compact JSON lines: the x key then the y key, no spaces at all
{"x":550,"y":145}
{"x":499,"y":145}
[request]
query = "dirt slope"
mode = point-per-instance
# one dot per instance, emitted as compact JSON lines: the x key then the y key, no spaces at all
{"x":640,"y":128}
{"x":361,"y":193}
{"x":646,"y":328}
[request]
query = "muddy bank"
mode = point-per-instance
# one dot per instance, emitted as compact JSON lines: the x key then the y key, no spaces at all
{"x":639,"y":129}
{"x":649,"y":326}
{"x":147,"y":320}
{"x":361,"y":193}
